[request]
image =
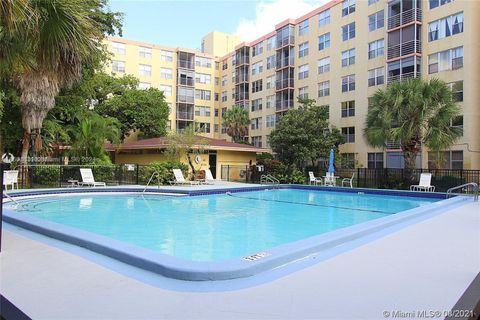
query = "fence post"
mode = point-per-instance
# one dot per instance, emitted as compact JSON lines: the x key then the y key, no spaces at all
{"x":60,"y":176}
{"x":31,"y":174}
{"x":1,"y":205}
{"x":228,"y":172}
{"x":136,"y":174}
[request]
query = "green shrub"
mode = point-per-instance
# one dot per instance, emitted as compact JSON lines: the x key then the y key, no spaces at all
{"x":164,"y":169}
{"x":46,"y":175}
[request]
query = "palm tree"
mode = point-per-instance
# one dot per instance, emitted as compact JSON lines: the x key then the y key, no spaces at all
{"x":236,"y":120}
{"x":43,"y":47}
{"x":413,"y":113}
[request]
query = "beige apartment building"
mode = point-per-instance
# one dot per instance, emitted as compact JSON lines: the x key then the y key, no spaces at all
{"x":339,"y":55}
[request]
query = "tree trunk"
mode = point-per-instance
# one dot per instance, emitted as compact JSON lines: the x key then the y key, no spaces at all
{"x":25,"y":147}
{"x":410,"y":152}
{"x":191,"y":163}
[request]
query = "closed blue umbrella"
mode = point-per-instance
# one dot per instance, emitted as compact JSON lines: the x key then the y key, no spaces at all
{"x":331,"y":168}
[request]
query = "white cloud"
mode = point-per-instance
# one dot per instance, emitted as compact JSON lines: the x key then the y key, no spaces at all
{"x":270,"y":13}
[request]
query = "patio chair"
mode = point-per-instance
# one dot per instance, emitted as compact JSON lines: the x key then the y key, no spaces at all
{"x":10,"y":178}
{"x":312,"y":179}
{"x":330,"y":179}
{"x":424,"y":183}
{"x":209,"y":179}
{"x":88,"y":179}
{"x":348,"y":181}
{"x":180,"y":179}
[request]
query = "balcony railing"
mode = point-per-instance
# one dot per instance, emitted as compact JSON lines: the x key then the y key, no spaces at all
{"x":283,"y":105}
{"x":185,"y":99}
{"x":185,"y":64}
{"x":404,"y":76}
{"x":239,"y":78}
{"x":403,"y":49}
{"x":182,"y":115}
{"x":242,"y":60}
{"x":242,"y":96}
{"x":285,"y":62}
{"x":284,"y":83}
{"x":186,"y":82}
{"x":289,"y":40}
{"x":405,"y":17}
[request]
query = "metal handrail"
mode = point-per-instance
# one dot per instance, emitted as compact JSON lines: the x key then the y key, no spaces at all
{"x":473,"y":184}
{"x":9,"y":198}
{"x":154,"y":174}
{"x":268,"y":178}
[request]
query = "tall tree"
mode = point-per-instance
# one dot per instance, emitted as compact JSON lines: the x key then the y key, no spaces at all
{"x":44,"y":45}
{"x":236,"y":120}
{"x":302,"y":135}
{"x":413,"y":113}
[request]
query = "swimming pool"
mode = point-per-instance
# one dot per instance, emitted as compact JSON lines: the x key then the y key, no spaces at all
{"x":217,"y":234}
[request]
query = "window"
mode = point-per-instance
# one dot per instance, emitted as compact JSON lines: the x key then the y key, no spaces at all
{"x":166,"y":73}
{"x":303,"y":27}
{"x":457,"y":123}
{"x":303,"y":71}
{"x":270,"y":62}
{"x":437,"y":3}
{"x":257,"y":67}
{"x":457,"y":90}
{"x":203,"y":78}
{"x":257,"y":86}
{"x":376,"y":77}
{"x":445,"y":27}
{"x":348,"y":6}
{"x":303,"y":49}
{"x":348,"y":160}
{"x":451,"y":59}
{"x":348,"y":134}
{"x":256,"y":123}
{"x":224,"y":81}
{"x":203,"y":127}
{"x":324,"y":41}
{"x":375,"y":160}
{"x":216,"y":96}
{"x":257,"y":49}
{"x":303,"y":93}
{"x":203,"y":62}
{"x":348,"y":109}
{"x":370,"y":2}
{"x":348,"y":57}
{"x":118,"y":66}
{"x":445,"y":160}
{"x":215,"y":127}
{"x":257,"y":104}
{"x":376,"y":21}
{"x":324,"y":18}
{"x":145,"y":70}
{"x":203,"y":94}
{"x":348,"y":83}
{"x":257,"y":141}
{"x":166,"y":56}
{"x":376,"y":49}
{"x":118,"y":47}
{"x":202,"y":111}
{"x":270,"y":101}
{"x":144,"y":52}
{"x":270,"y":121}
{"x":271,"y":43}
{"x":167,"y":90}
{"x":224,"y":129}
{"x":271,"y":82}
{"x":225,"y":65}
{"x":324,"y":65}
{"x":144,"y":86}
{"x":324,"y":89}
{"x":216,"y":112}
{"x":224,"y":96}
{"x":348,"y":31}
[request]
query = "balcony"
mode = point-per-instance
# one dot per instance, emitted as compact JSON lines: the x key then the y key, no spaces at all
{"x":239,"y":78}
{"x":285,"y":62}
{"x":242,"y":96}
{"x":284,"y":84}
{"x":242,"y":60}
{"x":183,"y":115}
{"x":404,"y":76}
{"x":189,"y":82}
{"x":404,"y":18}
{"x":403,"y":49}
{"x":283,"y":105}
{"x":186,"y":64}
{"x":285,"y":41}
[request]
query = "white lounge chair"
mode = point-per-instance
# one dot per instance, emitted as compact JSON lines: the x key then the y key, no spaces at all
{"x":330,"y":179}
{"x":348,"y":181}
{"x":424,"y":183}
{"x":180,"y":179}
{"x":314,"y":180}
{"x":88,"y":179}
{"x":10,"y":178}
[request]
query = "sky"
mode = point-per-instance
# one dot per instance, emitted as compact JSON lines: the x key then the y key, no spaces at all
{"x":183,"y":23}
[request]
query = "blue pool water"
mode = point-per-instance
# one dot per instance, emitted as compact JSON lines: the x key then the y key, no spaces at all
{"x":215,"y":227}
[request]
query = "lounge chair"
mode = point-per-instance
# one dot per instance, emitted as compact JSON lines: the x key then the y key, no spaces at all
{"x":330,"y":179}
{"x":314,"y":180}
{"x":424,"y":183}
{"x":180,"y":179}
{"x":348,"y":181}
{"x":10,"y":178}
{"x":88,"y":179}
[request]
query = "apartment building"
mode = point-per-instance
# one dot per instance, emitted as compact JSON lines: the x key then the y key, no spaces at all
{"x":339,"y":55}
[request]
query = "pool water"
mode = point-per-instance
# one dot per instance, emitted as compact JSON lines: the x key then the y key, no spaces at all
{"x":215,"y":227}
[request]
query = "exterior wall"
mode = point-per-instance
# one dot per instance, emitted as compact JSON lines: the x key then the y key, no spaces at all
{"x":219,"y":44}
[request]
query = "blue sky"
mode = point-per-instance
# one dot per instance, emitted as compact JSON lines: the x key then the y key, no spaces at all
{"x":183,"y":23}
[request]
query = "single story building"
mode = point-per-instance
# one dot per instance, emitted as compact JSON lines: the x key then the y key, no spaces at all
{"x":223,"y":158}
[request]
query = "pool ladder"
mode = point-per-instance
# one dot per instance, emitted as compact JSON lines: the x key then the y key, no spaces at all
{"x":9,"y":198}
{"x":465,"y":187}
{"x":154,"y":174}
{"x":269,"y":179}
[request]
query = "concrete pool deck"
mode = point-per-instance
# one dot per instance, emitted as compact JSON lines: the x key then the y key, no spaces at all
{"x":426,"y":266}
